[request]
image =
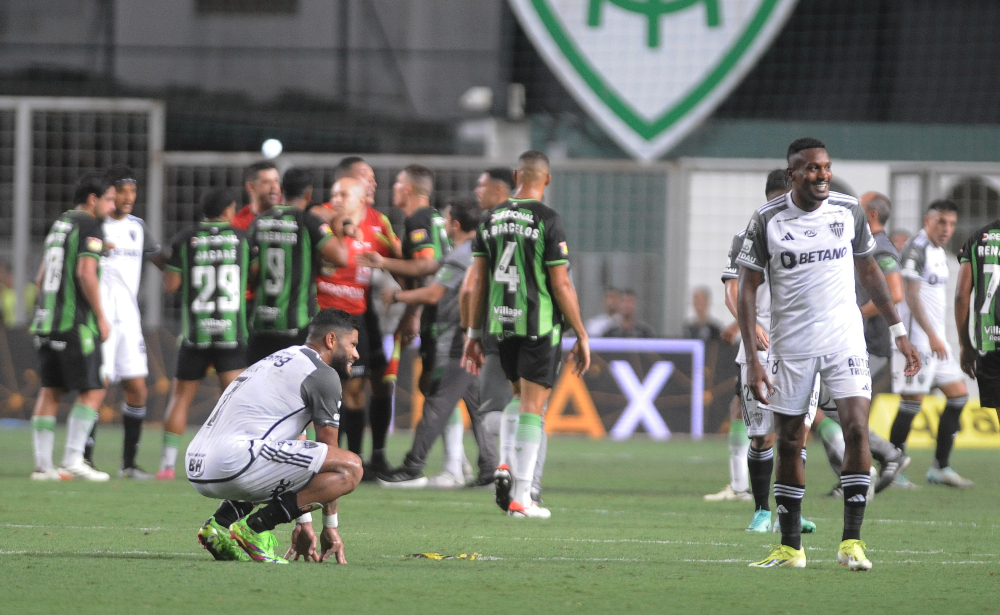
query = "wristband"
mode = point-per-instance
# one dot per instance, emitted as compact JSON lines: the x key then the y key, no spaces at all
{"x":330,"y":521}
{"x":473,"y":333}
{"x":897,"y":330}
{"x":305,"y":519}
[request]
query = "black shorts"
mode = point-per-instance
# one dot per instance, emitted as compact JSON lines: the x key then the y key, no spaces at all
{"x":371,"y":355}
{"x":71,"y":360}
{"x":988,"y":377}
{"x":535,"y":360}
{"x":265,"y":344}
{"x":193,"y":363}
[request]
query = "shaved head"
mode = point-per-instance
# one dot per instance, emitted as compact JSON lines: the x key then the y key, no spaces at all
{"x":533,"y":168}
{"x":349,"y":193}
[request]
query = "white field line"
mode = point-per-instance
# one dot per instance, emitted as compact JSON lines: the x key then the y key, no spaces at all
{"x":104,"y":552}
{"x":90,"y":527}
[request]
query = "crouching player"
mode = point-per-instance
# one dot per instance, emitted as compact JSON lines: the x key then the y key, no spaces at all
{"x":248,"y":452}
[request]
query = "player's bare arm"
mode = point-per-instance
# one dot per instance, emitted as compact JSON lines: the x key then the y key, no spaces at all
{"x":86,"y":272}
{"x":473,"y":358}
{"x":911,"y":290}
{"x":871,"y":277}
{"x":746,"y":303}
{"x":732,"y":290}
{"x":565,"y":296}
{"x":412,"y":268}
{"x":333,"y":249}
{"x":171,"y":281}
{"x":963,"y":294}
{"x":465,"y":296}
{"x":895,"y":283}
{"x":428,"y":295}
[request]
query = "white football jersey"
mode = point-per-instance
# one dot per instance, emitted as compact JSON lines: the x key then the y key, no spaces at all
{"x":121,"y":267}
{"x":273,"y":399}
{"x":924,"y":261}
{"x":808,"y":258}
{"x":732,"y":272}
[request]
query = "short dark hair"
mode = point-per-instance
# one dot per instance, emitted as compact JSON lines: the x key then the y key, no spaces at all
{"x":91,"y":183}
{"x":343,"y":168}
{"x":777,"y":180}
{"x":120,"y":174}
{"x":421,"y":178}
{"x":295,"y":182}
{"x":880,"y":204}
{"x":627,"y":292}
{"x":941,"y":206}
{"x":504,"y":175}
{"x":465,"y":210}
{"x":804,"y":143}
{"x":331,"y":319}
{"x":250,"y":173}
{"x":533,"y":156}
{"x":215,"y":201}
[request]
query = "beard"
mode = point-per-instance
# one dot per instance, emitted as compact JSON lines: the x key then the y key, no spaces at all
{"x":340,"y":364}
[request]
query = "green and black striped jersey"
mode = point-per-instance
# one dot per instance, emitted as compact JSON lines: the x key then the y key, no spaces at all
{"x":60,"y":305}
{"x":982,"y":251}
{"x":214,"y":261}
{"x":521,"y":239}
{"x":425,"y":236}
{"x":285,"y":242}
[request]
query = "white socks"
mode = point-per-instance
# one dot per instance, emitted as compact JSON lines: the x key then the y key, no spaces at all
{"x":81,"y":421}
{"x":527,"y":441}
{"x":508,"y":431}
{"x":454,"y":449}
{"x":43,"y":437}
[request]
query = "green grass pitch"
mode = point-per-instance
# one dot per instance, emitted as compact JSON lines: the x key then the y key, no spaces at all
{"x":629,"y":533}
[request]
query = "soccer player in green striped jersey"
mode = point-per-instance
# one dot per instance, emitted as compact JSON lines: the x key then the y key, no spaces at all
{"x":286,"y":244}
{"x":69,"y":326}
{"x":209,"y":265}
{"x":521,"y":282}
{"x":977,"y":312}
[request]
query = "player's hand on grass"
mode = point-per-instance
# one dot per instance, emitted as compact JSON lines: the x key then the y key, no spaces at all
{"x":580,"y":354}
{"x":303,"y":543}
{"x":103,"y":328}
{"x":472,"y":357}
{"x":911,"y":354}
{"x":968,"y":361}
{"x":760,"y":385}
{"x":369,"y":259}
{"x":938,"y":349}
{"x":331,"y":544}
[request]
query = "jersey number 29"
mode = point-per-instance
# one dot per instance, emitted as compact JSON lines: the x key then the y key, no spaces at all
{"x":206,"y":279}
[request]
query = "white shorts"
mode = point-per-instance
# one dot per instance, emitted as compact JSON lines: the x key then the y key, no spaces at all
{"x":758,"y":419}
{"x":844,"y":374}
{"x":271,"y":468}
{"x":124,"y":353}
{"x":933,"y":372}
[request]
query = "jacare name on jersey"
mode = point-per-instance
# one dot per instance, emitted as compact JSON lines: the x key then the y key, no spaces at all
{"x":213,"y":260}
{"x":808,"y":260}
{"x":521,"y":239}
{"x":60,"y":305}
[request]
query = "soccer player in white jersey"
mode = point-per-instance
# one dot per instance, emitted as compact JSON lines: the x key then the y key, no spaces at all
{"x":808,"y":243}
{"x":751,"y":459}
{"x":248,"y":451}
{"x":925,"y":281}
{"x":130,"y":245}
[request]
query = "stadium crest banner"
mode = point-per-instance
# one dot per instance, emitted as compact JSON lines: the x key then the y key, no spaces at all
{"x":650,"y":70}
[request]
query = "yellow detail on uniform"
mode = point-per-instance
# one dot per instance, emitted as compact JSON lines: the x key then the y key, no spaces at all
{"x":584,"y":420}
{"x":979,"y":426}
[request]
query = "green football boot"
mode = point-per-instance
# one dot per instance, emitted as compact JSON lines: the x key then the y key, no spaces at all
{"x":260,"y":547}
{"x":217,"y":541}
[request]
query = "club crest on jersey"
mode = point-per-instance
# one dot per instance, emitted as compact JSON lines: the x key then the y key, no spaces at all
{"x":837,"y":228}
{"x":94,"y":244}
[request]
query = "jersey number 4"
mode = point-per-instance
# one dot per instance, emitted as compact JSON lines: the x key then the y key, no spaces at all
{"x":505,"y":273}
{"x":207,"y":279}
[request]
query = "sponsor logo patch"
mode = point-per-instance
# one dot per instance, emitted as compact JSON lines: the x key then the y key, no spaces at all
{"x":418,"y":235}
{"x":94,"y":244}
